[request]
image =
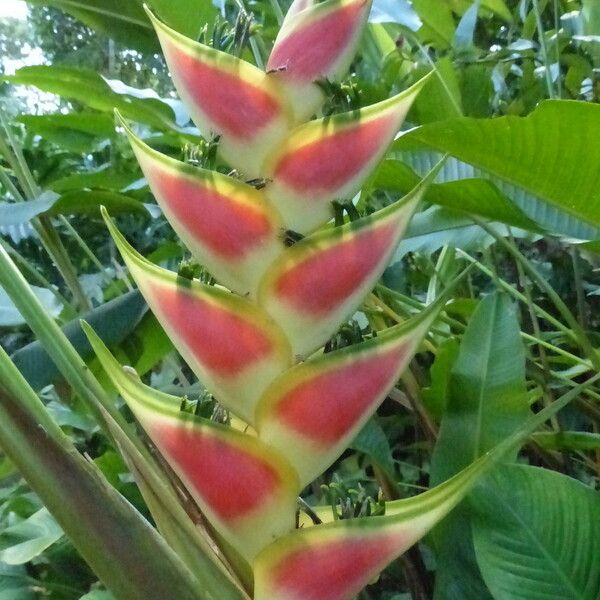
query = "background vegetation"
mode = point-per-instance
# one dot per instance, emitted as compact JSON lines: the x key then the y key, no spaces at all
{"x":519,"y":198}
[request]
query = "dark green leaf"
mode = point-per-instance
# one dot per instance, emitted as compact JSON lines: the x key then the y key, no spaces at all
{"x":487,"y":403}
{"x":91,"y":89}
{"x":78,"y":132}
{"x":112,"y":321}
{"x":537,"y":535}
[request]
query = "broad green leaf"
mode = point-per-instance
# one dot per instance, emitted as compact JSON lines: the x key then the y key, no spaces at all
{"x":567,"y":440}
{"x":438,"y":22}
{"x":451,"y":190}
{"x":112,"y":321}
{"x":487,"y":389}
{"x":126,"y":22}
{"x":27,"y":539}
{"x":441,"y":97}
{"x":473,"y":190}
{"x":435,"y":397}
{"x":557,"y":148}
{"x":89,"y":88}
{"x":537,"y":535}
{"x":106,"y":177}
{"x":123,"y":20}
{"x":487,"y":403}
{"x":11,"y":317}
{"x":78,"y":132}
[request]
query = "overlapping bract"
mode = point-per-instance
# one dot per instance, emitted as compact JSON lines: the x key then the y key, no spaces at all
{"x":251,"y":346}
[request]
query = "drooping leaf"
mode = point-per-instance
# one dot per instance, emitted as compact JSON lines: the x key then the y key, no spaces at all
{"x":113,"y":321}
{"x":458,"y":191}
{"x":123,"y":20}
{"x":474,"y":190}
{"x":537,"y":535}
{"x":78,"y":132}
{"x":89,"y":88}
{"x":329,"y":159}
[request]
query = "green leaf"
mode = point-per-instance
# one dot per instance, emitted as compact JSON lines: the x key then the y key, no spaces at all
{"x":487,"y":389}
{"x":77,"y":132}
{"x":27,"y":539}
{"x":107,"y":178}
{"x":436,"y":396}
{"x":438,"y":22}
{"x":126,"y":21}
{"x":89,"y":88}
{"x":11,"y":317}
{"x":556,"y":145}
{"x":496,"y":6}
{"x":113,"y":322}
{"x":537,"y":535}
{"x":371,"y":440}
{"x":436,"y":227}
{"x":466,"y":188}
{"x":123,"y":20}
{"x":441,"y":97}
{"x":465,"y":31}
{"x":467,"y":195}
{"x":69,"y":203}
{"x":487,"y":403}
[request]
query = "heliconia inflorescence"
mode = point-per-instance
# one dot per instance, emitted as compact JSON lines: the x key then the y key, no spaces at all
{"x":253,"y":344}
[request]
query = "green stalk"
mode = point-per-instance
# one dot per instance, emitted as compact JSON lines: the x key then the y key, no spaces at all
{"x":507,"y":287}
{"x":42,"y":225}
{"x":76,"y":372}
{"x":558,"y":302}
{"x":122,"y":548}
{"x":543,"y":48}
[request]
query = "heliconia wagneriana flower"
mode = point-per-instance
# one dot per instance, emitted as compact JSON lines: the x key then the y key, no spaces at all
{"x":253,"y":340}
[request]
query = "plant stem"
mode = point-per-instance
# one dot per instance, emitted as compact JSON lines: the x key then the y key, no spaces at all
{"x":42,"y":224}
{"x":558,"y":302}
{"x":544,"y":49}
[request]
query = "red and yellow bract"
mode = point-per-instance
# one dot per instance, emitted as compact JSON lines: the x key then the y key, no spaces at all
{"x":250,"y":342}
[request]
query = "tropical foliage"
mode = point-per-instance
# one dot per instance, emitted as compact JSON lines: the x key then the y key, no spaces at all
{"x":367,"y":236}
